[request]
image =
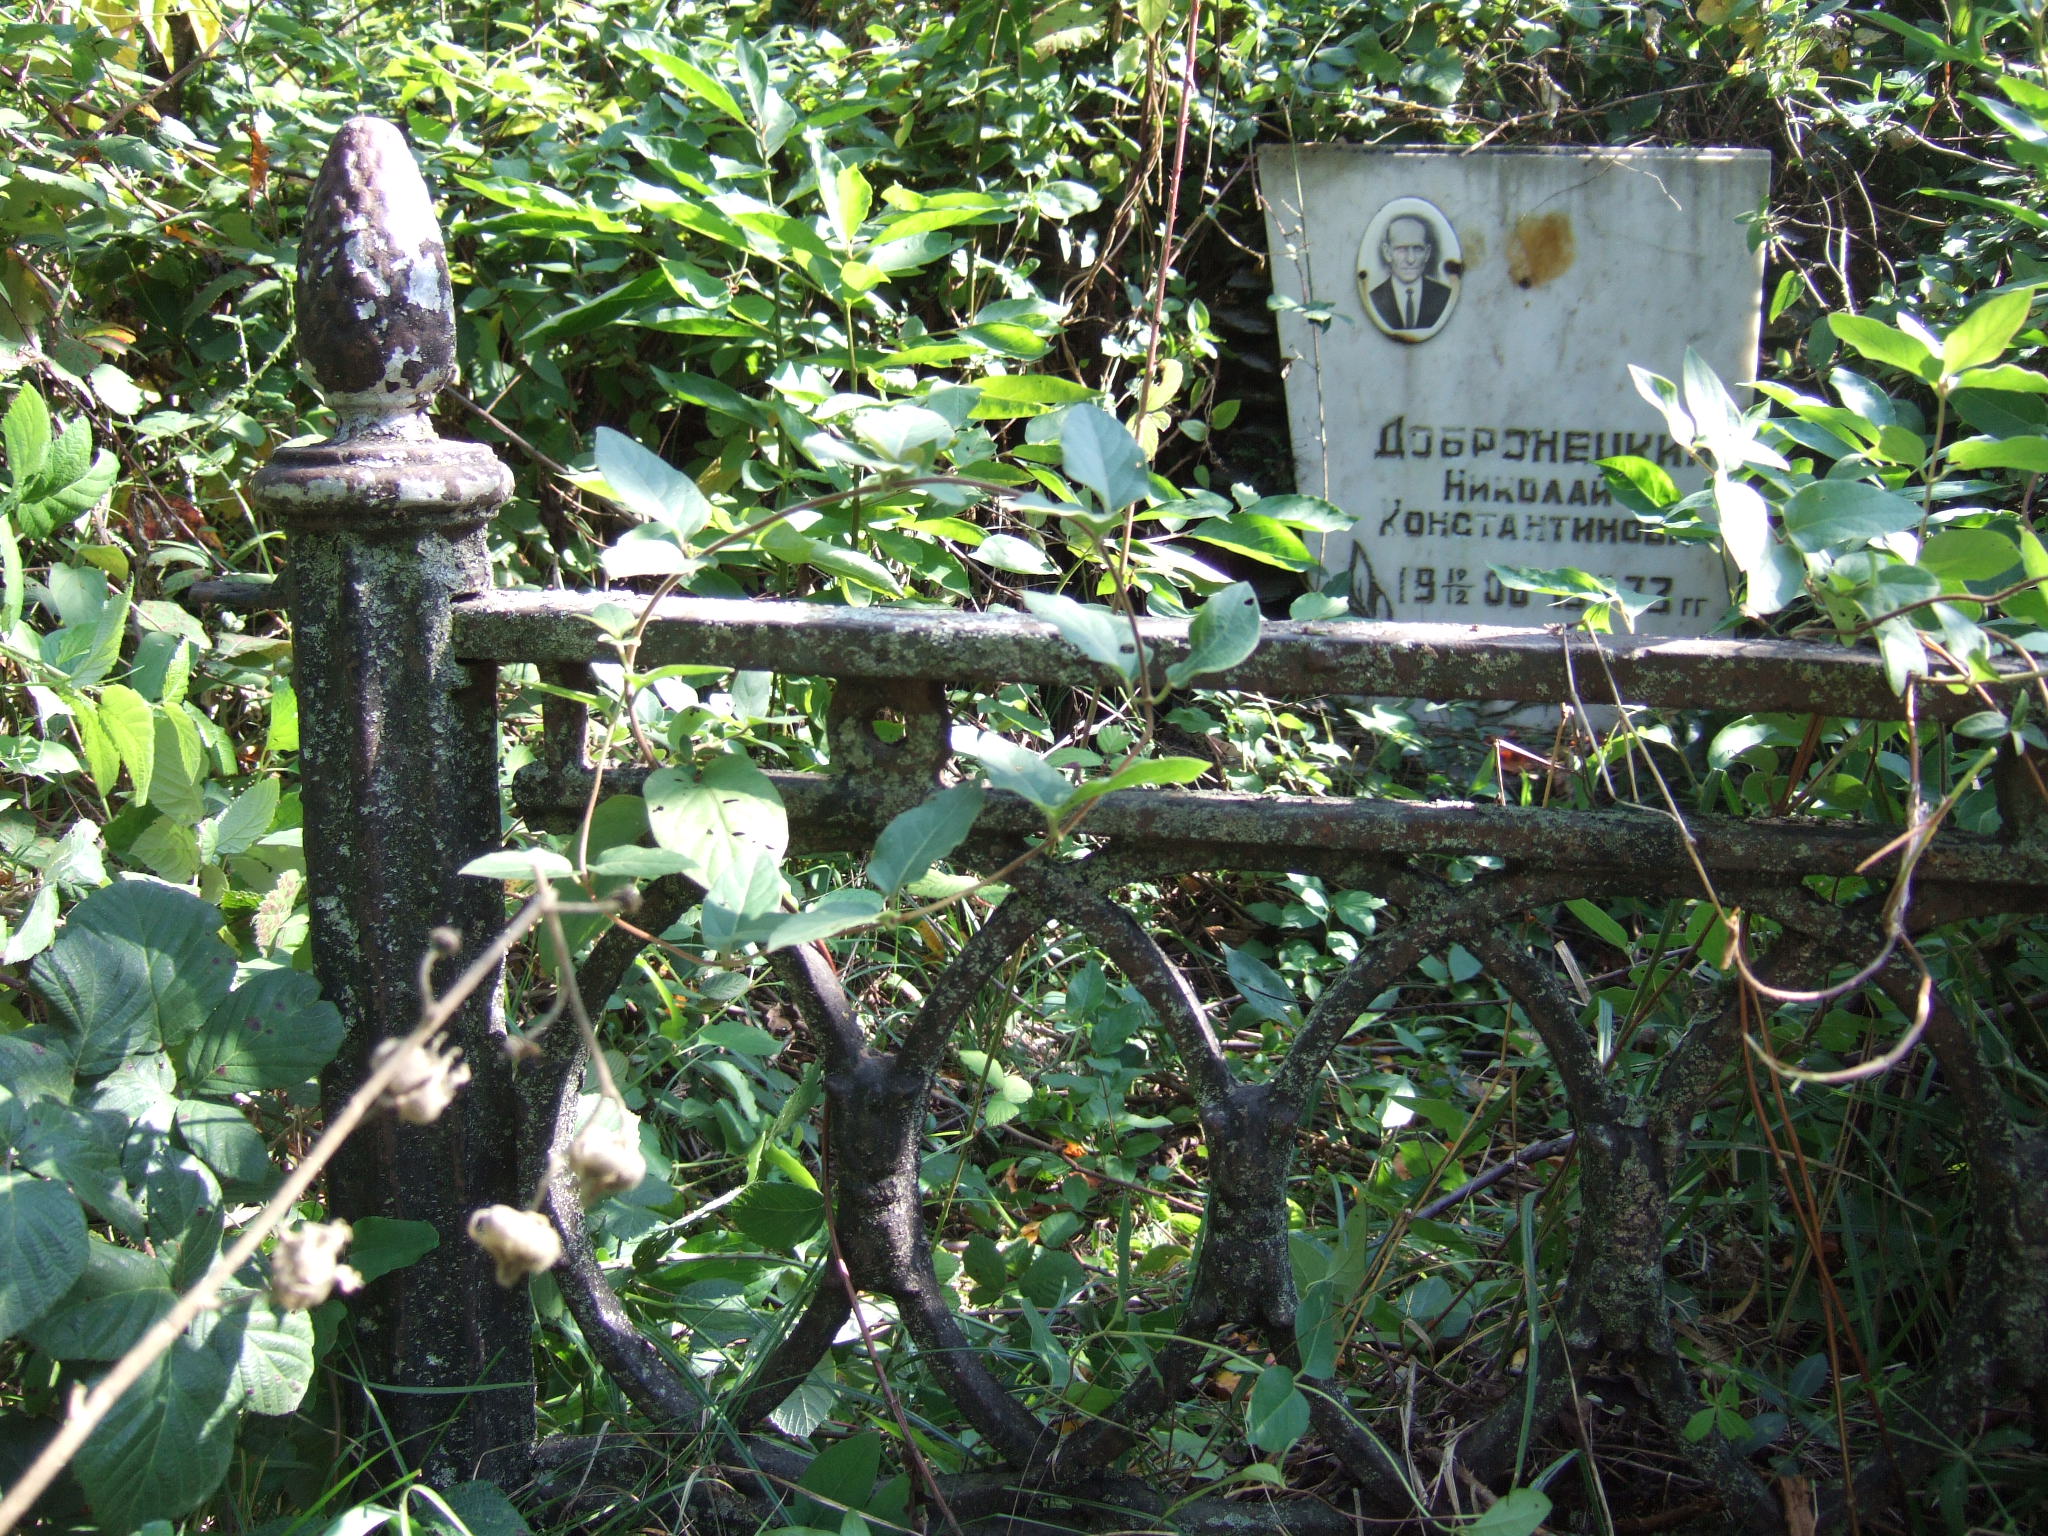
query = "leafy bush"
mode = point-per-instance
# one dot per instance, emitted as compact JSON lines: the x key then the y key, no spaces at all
{"x":147,"y":1103}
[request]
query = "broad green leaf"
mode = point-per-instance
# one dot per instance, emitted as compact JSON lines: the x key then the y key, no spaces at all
{"x":167,"y":1442}
{"x":1601,"y":924}
{"x":843,"y":1476}
{"x":1958,"y":555}
{"x":221,"y":1137}
{"x":130,"y":724}
{"x":520,"y":864}
{"x":922,"y":835}
{"x":2031,"y":605}
{"x":646,"y":484}
{"x":1152,"y":15}
{"x":693,"y":77}
{"x":1303,"y":512}
{"x":1008,"y":395}
{"x":1145,"y":771}
{"x":1662,"y":395}
{"x":1093,"y":630}
{"x":102,"y":757}
{"x":25,"y":429}
{"x":1007,"y":552}
{"x":484,"y":1510}
{"x":1882,"y":343}
{"x":247,"y":819}
{"x":2006,"y":378}
{"x":1516,"y":1513}
{"x":178,"y":783}
{"x":908,"y":435}
{"x":82,"y":1148}
{"x":273,"y":1031}
{"x":833,"y":913}
{"x":1315,"y":1330}
{"x":118,"y":1294}
{"x":137,"y":965}
{"x":1277,"y":1414}
{"x":637,"y":863}
{"x":1017,"y":769}
{"x":1264,"y":990}
{"x":1831,"y":513}
{"x":721,"y":822}
{"x":269,"y":1351}
{"x":1096,"y":450}
{"x":1712,"y":409}
{"x":1982,"y":334}
{"x":2025,"y":453}
{"x":1261,"y":538}
{"x":381,"y":1244}
{"x":31,"y":1070}
{"x":778,"y":1216}
{"x":42,"y":1233}
{"x":1224,"y":632}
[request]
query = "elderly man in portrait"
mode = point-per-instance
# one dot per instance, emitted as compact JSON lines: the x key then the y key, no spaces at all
{"x":1411,"y":299}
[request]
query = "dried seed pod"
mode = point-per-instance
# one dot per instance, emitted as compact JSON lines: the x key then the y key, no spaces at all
{"x":306,"y":1267}
{"x":605,"y":1163}
{"x":426,"y":1081}
{"x":522,"y":1242}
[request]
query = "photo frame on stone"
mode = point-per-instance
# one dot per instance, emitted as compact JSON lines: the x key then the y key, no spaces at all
{"x":1410,"y":269}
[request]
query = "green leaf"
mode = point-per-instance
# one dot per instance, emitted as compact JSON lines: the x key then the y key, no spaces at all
{"x":128,"y":720}
{"x":1224,"y":632}
{"x":117,"y":1295}
{"x":25,"y":429}
{"x":382,"y":1244}
{"x":520,"y":864}
{"x":833,"y":913}
{"x":269,"y":1350}
{"x":843,"y":1474}
{"x":272,"y":1032}
{"x":1145,"y":771}
{"x":1517,"y":1513}
{"x":922,"y":835}
{"x":485,"y":1510}
{"x":1662,"y":395}
{"x":178,"y":783}
{"x":1091,"y":629}
{"x":1008,"y":395}
{"x":1277,"y":1414}
{"x":1986,"y":330}
{"x":167,"y":1442}
{"x":1303,"y":512}
{"x":644,"y":483}
{"x":778,"y":1216}
{"x":1264,"y":990}
{"x":1882,"y":343}
{"x":81,"y":1147}
{"x":1097,"y":451}
{"x":221,"y":1137}
{"x":724,"y":823}
{"x":137,"y":965}
{"x":1600,"y":924}
{"x":1017,"y":769}
{"x":42,"y":1232}
{"x":1830,"y":513}
{"x":1959,"y":555}
{"x":2025,"y":453}
{"x":1007,"y":552}
{"x":1260,"y":538}
{"x":246,"y":820}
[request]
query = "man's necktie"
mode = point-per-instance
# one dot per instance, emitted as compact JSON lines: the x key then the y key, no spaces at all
{"x":1408,"y":304}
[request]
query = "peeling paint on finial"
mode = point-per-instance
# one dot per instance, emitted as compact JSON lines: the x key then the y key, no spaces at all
{"x":376,"y":309}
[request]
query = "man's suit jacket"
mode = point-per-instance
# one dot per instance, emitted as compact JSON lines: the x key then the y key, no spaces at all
{"x":1429,"y":309}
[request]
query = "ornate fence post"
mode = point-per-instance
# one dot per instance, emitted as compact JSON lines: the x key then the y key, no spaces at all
{"x":399,"y":768}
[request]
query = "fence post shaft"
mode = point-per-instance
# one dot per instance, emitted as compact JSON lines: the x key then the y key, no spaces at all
{"x":399,"y":775}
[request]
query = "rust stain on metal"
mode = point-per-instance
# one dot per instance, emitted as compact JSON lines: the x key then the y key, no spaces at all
{"x":1541,"y":248}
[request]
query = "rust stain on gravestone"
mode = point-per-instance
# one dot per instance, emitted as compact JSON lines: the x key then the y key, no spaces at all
{"x":1541,"y":248}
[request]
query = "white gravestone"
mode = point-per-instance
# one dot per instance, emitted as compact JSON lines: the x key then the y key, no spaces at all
{"x":1483,"y":310}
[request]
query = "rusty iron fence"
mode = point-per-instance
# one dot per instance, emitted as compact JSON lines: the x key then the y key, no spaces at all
{"x":398,"y":644}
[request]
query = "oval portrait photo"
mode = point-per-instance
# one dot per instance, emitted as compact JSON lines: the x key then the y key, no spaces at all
{"x":1409,"y":269}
